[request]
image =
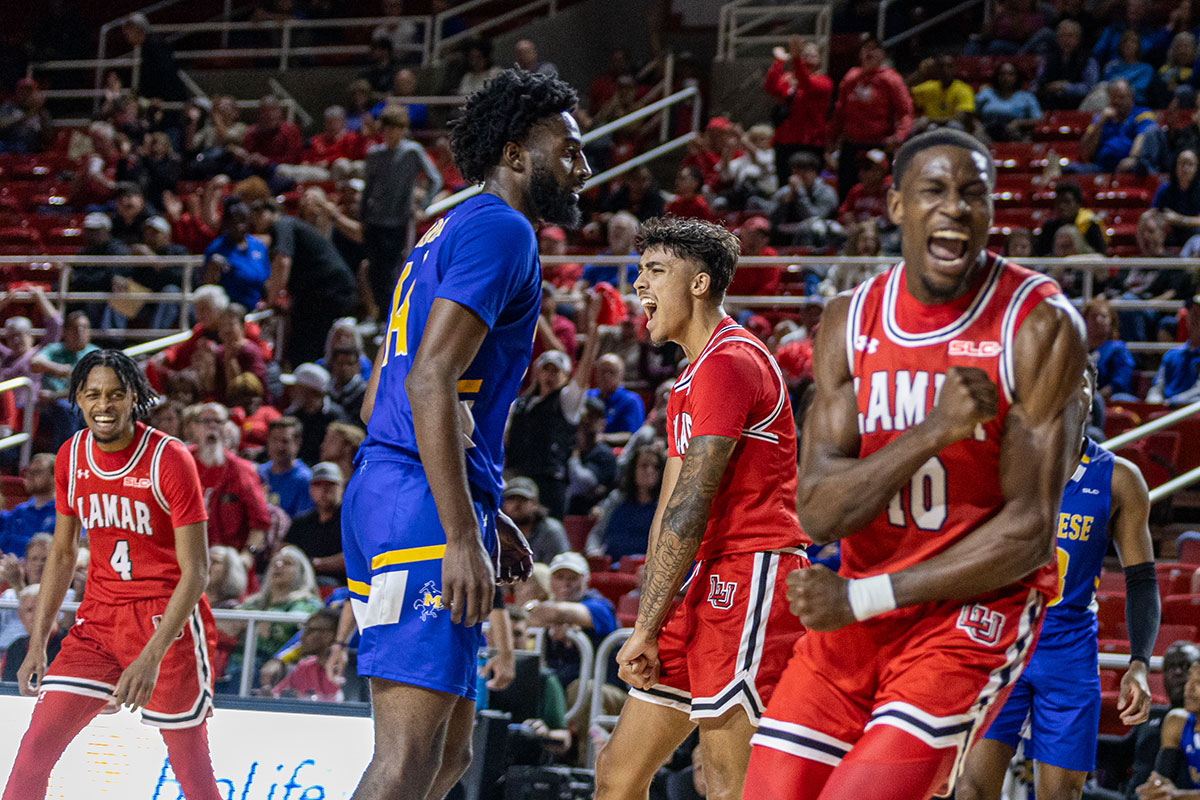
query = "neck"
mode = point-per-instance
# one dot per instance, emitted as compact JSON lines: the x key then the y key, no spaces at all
{"x":700,"y":329}
{"x":41,"y":498}
{"x":325,"y":514}
{"x":118,"y":444}
{"x":282,"y":465}
{"x":500,"y":183}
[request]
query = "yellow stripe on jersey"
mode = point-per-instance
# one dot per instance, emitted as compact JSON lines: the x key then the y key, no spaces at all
{"x":469,"y":387}
{"x":408,"y":555}
{"x":1086,"y":460}
{"x":358,"y":587}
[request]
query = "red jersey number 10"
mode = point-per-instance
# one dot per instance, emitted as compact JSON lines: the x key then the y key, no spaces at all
{"x":927,"y":498}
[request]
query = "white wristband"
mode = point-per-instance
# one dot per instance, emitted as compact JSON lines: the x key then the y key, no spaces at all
{"x":870,"y":597}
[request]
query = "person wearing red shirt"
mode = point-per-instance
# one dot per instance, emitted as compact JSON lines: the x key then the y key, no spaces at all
{"x":867,"y":200}
{"x":335,"y":142}
{"x":874,"y":111}
{"x":552,"y":241}
{"x":705,"y":152}
{"x":237,"y":508}
{"x":554,"y":331}
{"x":688,"y":201}
{"x":793,"y":79}
{"x":604,"y":86}
{"x":272,"y":140}
{"x":754,"y":235}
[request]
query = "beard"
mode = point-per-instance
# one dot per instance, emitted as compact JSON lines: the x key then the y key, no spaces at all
{"x":551,"y":202}
{"x":211,"y":453}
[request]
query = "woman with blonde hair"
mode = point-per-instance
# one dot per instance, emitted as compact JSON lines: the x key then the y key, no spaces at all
{"x":226,"y":577}
{"x":862,"y":239}
{"x":290,"y":585}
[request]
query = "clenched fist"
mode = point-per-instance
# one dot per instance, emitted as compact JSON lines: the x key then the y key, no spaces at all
{"x":968,"y":398}
{"x":819,"y":597}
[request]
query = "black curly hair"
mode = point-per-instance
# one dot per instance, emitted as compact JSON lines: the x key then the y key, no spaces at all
{"x":504,"y":111}
{"x":128,"y":375}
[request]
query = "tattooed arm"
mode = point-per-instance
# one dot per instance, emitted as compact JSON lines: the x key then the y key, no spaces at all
{"x":672,"y":552}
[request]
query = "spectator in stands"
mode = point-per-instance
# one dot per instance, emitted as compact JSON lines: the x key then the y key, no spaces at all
{"x":551,"y":725}
{"x":25,"y":124}
{"x":1129,"y":67}
{"x":1177,"y":72}
{"x":1018,"y":243}
{"x":289,"y":585}
{"x":804,"y":97}
{"x":400,"y":33}
{"x":156,"y":241}
{"x":404,"y":86}
{"x":520,"y":500}
{"x":334,"y":141}
{"x":862,"y":239}
{"x":873,"y":111}
{"x":704,"y":152}
{"x":623,"y":520}
{"x":689,"y":202}
{"x":167,"y":416}
{"x":527,"y":59}
{"x":480,"y":70}
{"x":130,"y":213}
{"x":226,"y":577}
{"x":59,"y":418}
{"x":358,"y":106}
{"x":1008,"y":112}
{"x":17,"y":345}
{"x":344,"y":335}
{"x":1179,"y":199}
{"x":1068,"y":243}
{"x":1152,"y":38}
{"x":319,"y":284}
{"x":1113,"y":141}
{"x":939,"y":96}
{"x":341,"y":444}
{"x":310,"y":678}
{"x":638,"y":193}
{"x":285,"y":477}
{"x":592,"y":467}
{"x":1114,"y":363}
{"x":554,"y":331}
{"x":1069,"y":210}
{"x":158,"y":73}
{"x":272,"y":139}
{"x":25,"y":520}
{"x":14,"y":655}
{"x":98,"y":241}
{"x":347,"y":386}
{"x":382,"y":69}
{"x":392,"y":170}
{"x":1013,"y":23}
{"x":622,"y":241}
{"x":222,"y":129}
{"x":94,"y":181}
{"x":318,"y":531}
{"x":747,"y":179}
{"x":573,"y":605}
{"x":1177,"y":662}
{"x":755,"y":236}
{"x":236,"y":260}
{"x":1067,"y":72}
{"x":624,"y":411}
{"x":17,"y":574}
{"x":552,"y":241}
{"x":1151,"y":284}
{"x":314,"y":409}
{"x":237,"y":508}
{"x":867,"y":199}
{"x":804,"y":205}
{"x":237,"y":354}
{"x":1177,"y":382}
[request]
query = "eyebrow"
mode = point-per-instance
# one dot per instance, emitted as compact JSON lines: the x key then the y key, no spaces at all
{"x":652,"y":264}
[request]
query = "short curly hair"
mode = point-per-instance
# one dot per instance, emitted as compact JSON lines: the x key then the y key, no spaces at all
{"x":714,"y":248}
{"x":504,"y":111}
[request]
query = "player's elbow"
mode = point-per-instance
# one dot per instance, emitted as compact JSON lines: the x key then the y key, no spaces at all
{"x":1033,"y":544}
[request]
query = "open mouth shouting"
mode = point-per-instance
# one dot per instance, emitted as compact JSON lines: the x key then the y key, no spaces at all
{"x":947,"y":249}
{"x":649,"y":307}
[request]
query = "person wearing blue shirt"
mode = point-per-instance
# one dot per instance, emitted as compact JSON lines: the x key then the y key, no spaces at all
{"x":1153,"y":39}
{"x":1112,"y":143}
{"x":624,"y":410}
{"x":1005,"y":109}
{"x":1112,"y":359}
{"x":285,"y":476}
{"x":1178,"y":380}
{"x":420,"y":521}
{"x":572,"y":603}
{"x":1056,"y":700}
{"x":236,"y":260}
{"x":36,"y":515}
{"x":1127,"y":66}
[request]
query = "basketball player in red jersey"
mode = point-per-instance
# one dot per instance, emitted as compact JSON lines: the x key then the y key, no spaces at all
{"x":936,"y":450}
{"x":143,"y":629}
{"x":728,"y":506}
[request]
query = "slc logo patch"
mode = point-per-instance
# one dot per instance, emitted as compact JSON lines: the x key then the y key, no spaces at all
{"x":429,"y":602}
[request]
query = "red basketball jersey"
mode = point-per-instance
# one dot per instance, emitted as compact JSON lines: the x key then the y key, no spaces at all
{"x":735,"y":389}
{"x":129,"y":504}
{"x":898,"y":351}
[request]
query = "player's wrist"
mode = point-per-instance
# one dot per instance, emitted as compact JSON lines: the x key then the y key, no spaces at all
{"x":870,"y":597}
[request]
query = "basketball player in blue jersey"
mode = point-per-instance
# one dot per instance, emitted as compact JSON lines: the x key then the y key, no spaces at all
{"x":1059,"y":692}
{"x":419,"y":519}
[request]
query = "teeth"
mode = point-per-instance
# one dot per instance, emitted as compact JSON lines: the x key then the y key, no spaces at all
{"x":950,"y":235}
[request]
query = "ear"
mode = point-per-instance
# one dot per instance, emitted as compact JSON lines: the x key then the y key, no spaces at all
{"x":701,"y":284}
{"x":895,"y":205}
{"x":514,"y":156}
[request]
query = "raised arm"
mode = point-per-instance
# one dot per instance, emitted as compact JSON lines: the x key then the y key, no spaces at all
{"x":56,"y":579}
{"x":837,"y":492}
{"x":1129,"y":527}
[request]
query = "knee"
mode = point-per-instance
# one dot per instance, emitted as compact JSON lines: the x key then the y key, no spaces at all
{"x":456,"y":758}
{"x":614,"y":780}
{"x":966,"y":788}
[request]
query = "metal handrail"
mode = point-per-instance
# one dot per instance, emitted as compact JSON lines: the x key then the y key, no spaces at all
{"x":25,"y":437}
{"x":439,"y":43}
{"x":929,"y":23}
{"x":1175,"y":484}
{"x":587,"y":656}
{"x":1153,"y":426}
{"x":730,"y":35}
{"x":599,"y":677}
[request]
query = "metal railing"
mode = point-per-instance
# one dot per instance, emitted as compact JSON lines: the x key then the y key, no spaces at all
{"x":441,"y":44}
{"x":738,"y":19}
{"x":653,"y":108}
{"x":1154,"y":426}
{"x":599,"y":676}
{"x":24,"y":439}
{"x":881,"y":23}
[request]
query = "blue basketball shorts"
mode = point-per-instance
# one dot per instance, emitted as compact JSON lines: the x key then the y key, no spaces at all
{"x":394,"y":544}
{"x":1058,"y":697}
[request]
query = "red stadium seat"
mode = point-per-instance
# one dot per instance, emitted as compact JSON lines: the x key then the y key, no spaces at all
{"x":1181,"y":609}
{"x":1118,"y":420}
{"x":12,"y":490}
{"x":1111,"y":612}
{"x":1111,"y":581}
{"x":1110,"y":679}
{"x":627,"y":608}
{"x":1110,"y":718}
{"x":578,"y":526}
{"x":1189,"y":551}
{"x":613,"y":585}
{"x":1174,"y":578}
{"x":631,"y":564}
{"x":1158,"y":692}
{"x":600,"y":563}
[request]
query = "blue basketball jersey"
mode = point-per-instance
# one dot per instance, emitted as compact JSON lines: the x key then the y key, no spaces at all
{"x":1082,"y":542}
{"x":482,"y":255}
{"x":1189,"y":743}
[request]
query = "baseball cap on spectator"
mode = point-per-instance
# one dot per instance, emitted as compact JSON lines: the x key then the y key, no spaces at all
{"x":760,"y":224}
{"x":127,"y":188}
{"x":311,"y":376}
{"x":718,"y":124}
{"x":874,"y":156}
{"x":159,"y":224}
{"x":760,"y":326}
{"x":553,"y":232}
{"x":556,"y":357}
{"x":519,"y":487}
{"x":96,"y":221}
{"x":18,"y":325}
{"x":328,"y":472}
{"x":572,"y":561}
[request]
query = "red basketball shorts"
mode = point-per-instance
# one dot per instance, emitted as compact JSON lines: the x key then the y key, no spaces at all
{"x":107,"y":639}
{"x":728,"y":642}
{"x":939,"y":672}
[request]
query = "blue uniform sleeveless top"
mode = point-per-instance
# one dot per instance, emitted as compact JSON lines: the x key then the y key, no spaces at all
{"x":482,"y":255}
{"x":1189,"y":743}
{"x":1082,"y":542}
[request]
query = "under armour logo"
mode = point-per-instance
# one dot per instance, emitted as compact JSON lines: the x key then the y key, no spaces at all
{"x":83,"y":473}
{"x":981,"y":624}
{"x":721,"y":594}
{"x":861,"y":342}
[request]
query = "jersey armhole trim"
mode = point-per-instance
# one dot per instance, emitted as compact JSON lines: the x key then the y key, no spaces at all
{"x":155,"y":483}
{"x":854,"y":319}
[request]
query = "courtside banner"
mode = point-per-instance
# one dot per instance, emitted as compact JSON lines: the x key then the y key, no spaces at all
{"x":257,"y":755}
